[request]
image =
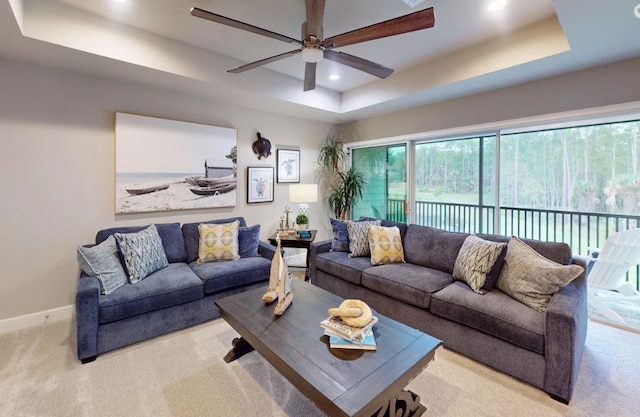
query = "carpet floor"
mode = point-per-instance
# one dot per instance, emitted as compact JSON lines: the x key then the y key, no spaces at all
{"x":182,"y":374}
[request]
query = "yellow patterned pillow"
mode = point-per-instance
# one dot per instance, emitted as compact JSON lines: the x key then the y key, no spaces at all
{"x":385,"y":244}
{"x":218,"y":242}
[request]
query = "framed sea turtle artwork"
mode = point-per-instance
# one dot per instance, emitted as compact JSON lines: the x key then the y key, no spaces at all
{"x":259,"y":184}
{"x":288,"y":161}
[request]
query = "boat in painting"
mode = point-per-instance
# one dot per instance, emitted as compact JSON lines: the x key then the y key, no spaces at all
{"x":214,"y":190}
{"x":147,"y":190}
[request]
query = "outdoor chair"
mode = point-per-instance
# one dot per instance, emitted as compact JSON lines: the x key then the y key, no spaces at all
{"x":607,"y":276}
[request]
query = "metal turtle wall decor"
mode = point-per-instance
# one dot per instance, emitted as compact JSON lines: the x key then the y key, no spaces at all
{"x":261,"y":147}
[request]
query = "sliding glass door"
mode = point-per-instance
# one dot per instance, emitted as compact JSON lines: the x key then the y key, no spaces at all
{"x":385,"y":172}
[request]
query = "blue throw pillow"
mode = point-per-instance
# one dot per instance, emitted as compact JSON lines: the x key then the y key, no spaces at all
{"x":248,"y":241}
{"x":102,"y":261}
{"x":340,"y":242}
{"x":143,"y":252}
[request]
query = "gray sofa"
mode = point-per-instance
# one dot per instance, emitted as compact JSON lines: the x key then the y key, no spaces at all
{"x":543,"y":349}
{"x":177,"y":296}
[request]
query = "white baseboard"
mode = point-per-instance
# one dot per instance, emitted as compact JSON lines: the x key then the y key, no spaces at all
{"x":36,"y":319}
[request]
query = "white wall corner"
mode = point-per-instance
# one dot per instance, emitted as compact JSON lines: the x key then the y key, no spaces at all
{"x":40,"y":318}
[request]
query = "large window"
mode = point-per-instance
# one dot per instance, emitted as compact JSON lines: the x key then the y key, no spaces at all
{"x":385,"y":172}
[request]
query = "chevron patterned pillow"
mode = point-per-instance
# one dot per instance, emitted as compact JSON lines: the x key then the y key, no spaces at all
{"x":359,"y":237}
{"x":143,"y":252}
{"x":218,"y":242}
{"x":474,"y":261}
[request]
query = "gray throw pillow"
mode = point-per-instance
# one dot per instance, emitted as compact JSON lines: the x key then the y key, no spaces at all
{"x":475,"y":259}
{"x":143,"y":253}
{"x":102,"y":261}
{"x":359,"y":237}
{"x":531,"y":278}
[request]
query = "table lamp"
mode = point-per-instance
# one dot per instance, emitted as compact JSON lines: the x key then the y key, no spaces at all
{"x":303,"y":194}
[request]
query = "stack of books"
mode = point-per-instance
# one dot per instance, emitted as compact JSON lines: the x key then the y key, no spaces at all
{"x":343,"y":336}
{"x":304,"y":234}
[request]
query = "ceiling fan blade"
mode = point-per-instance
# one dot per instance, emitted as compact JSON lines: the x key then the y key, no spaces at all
{"x":241,"y":25}
{"x":310,"y":76}
{"x":422,"y":19}
{"x":252,"y":65}
{"x":358,"y":63}
{"x":315,"y":14}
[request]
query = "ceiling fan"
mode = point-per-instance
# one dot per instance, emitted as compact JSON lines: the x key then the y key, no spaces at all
{"x":314,"y":47}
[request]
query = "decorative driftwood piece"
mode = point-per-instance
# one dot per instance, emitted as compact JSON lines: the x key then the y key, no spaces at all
{"x":354,"y":313}
{"x":261,"y":147}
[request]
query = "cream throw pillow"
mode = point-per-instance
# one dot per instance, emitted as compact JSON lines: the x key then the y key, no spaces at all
{"x":385,"y":245}
{"x":531,"y":278}
{"x":475,"y":259}
{"x":218,"y":242}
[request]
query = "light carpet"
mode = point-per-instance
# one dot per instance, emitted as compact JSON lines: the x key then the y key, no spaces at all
{"x":182,"y":374}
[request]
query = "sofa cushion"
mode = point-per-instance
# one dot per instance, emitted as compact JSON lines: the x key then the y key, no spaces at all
{"x":218,"y":242}
{"x":433,"y":248}
{"x":359,"y":237}
{"x":170,"y":234}
{"x":143,"y":253}
{"x":102,"y":261}
{"x":389,"y":223}
{"x":494,"y":313}
{"x":248,"y":241}
{"x":531,"y":278}
{"x":340,"y":265}
{"x":221,"y":276}
{"x":558,"y":252}
{"x":410,"y":283}
{"x":475,"y":260}
{"x":192,"y":236}
{"x":173,"y":285}
{"x":385,"y":245}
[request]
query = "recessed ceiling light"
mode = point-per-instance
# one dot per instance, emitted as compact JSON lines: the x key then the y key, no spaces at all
{"x":496,"y":5}
{"x":334,"y":77}
{"x":119,"y":1}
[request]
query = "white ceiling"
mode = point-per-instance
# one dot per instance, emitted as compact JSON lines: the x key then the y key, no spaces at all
{"x":469,"y":49}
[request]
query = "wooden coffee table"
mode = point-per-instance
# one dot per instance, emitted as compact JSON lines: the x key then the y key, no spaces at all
{"x":340,"y":382}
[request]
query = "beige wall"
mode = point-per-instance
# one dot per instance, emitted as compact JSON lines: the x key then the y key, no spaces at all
{"x":57,"y":164}
{"x":600,"y":86}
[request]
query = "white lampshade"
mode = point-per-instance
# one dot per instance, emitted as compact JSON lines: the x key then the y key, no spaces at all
{"x":303,"y":193}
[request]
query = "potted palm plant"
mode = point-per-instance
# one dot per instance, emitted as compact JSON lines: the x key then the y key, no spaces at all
{"x":345,"y":186}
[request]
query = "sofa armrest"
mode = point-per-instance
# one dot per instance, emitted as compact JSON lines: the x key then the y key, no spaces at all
{"x":565,"y":335}
{"x":317,"y":248}
{"x":87,"y":316}
{"x":266,"y":250}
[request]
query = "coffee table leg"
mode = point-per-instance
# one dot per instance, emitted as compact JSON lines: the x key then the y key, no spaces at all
{"x":240,"y":347}
{"x":405,"y":404}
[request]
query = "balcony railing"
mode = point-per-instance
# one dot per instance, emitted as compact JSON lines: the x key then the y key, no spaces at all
{"x":580,"y":230}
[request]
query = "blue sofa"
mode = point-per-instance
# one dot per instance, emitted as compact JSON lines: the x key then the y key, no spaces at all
{"x":543,"y":349}
{"x":177,"y":296}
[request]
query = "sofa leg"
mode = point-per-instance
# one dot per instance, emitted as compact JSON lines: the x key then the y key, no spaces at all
{"x":559,"y":399}
{"x":89,"y":359}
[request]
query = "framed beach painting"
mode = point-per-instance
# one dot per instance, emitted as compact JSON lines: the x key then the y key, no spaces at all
{"x":171,"y":165}
{"x":288,"y":165}
{"x":259,"y":184}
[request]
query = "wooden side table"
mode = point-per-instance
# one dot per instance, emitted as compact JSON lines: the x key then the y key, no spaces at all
{"x":292,"y":241}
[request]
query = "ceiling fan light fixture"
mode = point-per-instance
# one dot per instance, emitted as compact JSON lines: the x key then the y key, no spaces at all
{"x":496,"y":5}
{"x":312,"y":54}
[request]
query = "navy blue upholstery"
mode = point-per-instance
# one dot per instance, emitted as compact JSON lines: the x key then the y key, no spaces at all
{"x":169,"y":299}
{"x":170,"y":233}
